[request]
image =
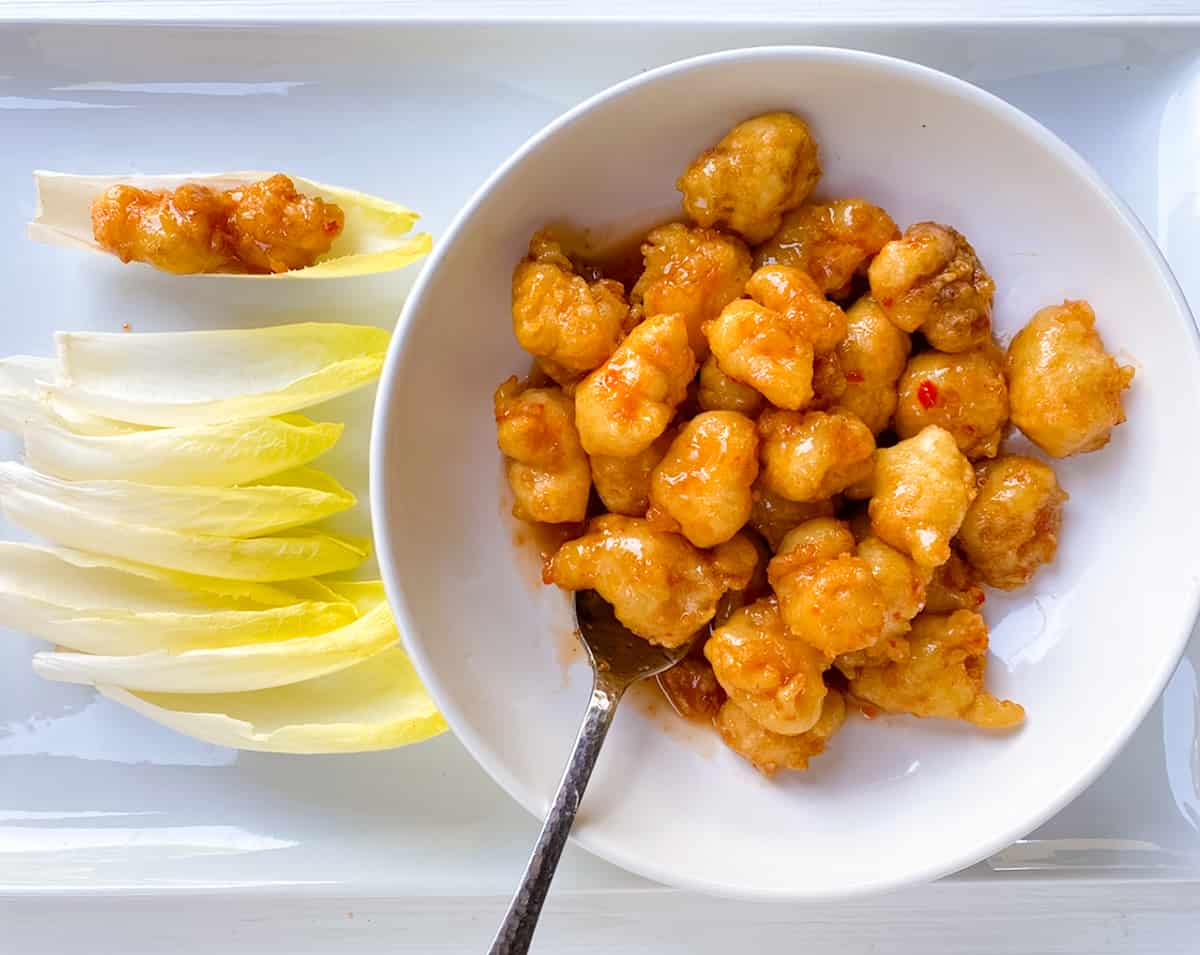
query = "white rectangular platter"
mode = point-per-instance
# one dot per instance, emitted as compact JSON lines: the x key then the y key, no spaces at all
{"x":93,"y":799}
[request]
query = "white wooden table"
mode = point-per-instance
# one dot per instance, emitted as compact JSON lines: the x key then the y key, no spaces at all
{"x":960,"y":917}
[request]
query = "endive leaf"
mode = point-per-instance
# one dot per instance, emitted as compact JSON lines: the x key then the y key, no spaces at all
{"x":297,"y":553}
{"x":227,"y":512}
{"x":96,"y":605}
{"x":230,"y":669}
{"x":375,"y":238}
{"x":25,"y":399}
{"x":376,"y":704}
{"x":220,"y":455}
{"x":192,"y":378}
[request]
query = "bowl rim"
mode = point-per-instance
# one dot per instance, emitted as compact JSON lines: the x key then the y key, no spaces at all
{"x":479,"y":750}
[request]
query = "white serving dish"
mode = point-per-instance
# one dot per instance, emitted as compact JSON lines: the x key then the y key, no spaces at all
{"x":95,"y":800}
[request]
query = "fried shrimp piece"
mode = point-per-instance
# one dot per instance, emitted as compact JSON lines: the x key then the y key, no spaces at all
{"x":661,"y":587}
{"x":942,"y":675}
{"x":955,"y":586}
{"x":746,"y":182}
{"x":964,"y":393}
{"x":773,"y":516}
{"x":1064,"y":387}
{"x":622,"y":406}
{"x":872,"y":358}
{"x":1012,"y":527}
{"x":794,"y":294}
{"x":901,"y":580}
{"x":543,"y":459}
{"x":922,"y":488}
{"x":624,"y":483}
{"x":262,"y":227}
{"x":828,"y":596}
{"x":702,"y":484}
{"x":812,"y":455}
{"x":931,"y":279}
{"x":770,"y":752}
{"x":831,"y":241}
{"x":570,"y":326}
{"x":691,"y":272}
{"x":719,"y":392}
{"x":761,"y":348}
{"x":766,"y":671}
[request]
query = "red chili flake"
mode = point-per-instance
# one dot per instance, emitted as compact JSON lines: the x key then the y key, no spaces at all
{"x":927,"y":393}
{"x":333,"y":227}
{"x":854,"y":377}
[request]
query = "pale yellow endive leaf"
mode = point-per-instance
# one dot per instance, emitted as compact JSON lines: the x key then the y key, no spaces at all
{"x":168,"y":379}
{"x":234,"y":669}
{"x":375,"y":239}
{"x":218,"y":455}
{"x":376,"y":704}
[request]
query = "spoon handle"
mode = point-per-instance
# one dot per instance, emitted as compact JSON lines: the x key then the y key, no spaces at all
{"x":516,"y":932}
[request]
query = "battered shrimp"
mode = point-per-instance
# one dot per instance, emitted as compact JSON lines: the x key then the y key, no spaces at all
{"x":760,"y":169}
{"x":769,"y":752}
{"x":1012,"y":527}
{"x":811,"y":455}
{"x":828,"y":597}
{"x":773,"y":516}
{"x":702,"y":485}
{"x":901,"y":581}
{"x":955,"y":586}
{"x":661,"y":587}
{"x":932,"y":279}
{"x":570,"y":326}
{"x":691,"y":272}
{"x":627,"y":402}
{"x":761,"y":348}
{"x":719,"y":392}
{"x":941,"y":676}
{"x":543,"y":459}
{"x":872,"y":357}
{"x":624,"y":483}
{"x":793,"y":294}
{"x":831,"y":241}
{"x":922,"y":489}
{"x":964,"y":393}
{"x":1064,"y":387}
{"x":771,"y":675}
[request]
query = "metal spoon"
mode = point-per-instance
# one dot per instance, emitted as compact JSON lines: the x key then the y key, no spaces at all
{"x":619,"y":659}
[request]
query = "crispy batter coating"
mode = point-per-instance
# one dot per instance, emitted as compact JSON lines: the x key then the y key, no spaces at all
{"x":719,"y":392}
{"x":872,"y":357}
{"x":624,"y":483}
{"x":901,"y":580}
{"x":1064,"y":387}
{"x":761,"y":348}
{"x":759,"y":170}
{"x":773,"y":516}
{"x":570,"y":326}
{"x":812,"y":455}
{"x":932,"y":279}
{"x":691,"y":272}
{"x":622,"y":406}
{"x":702,"y":484}
{"x":661,"y":587}
{"x":543,"y":459}
{"x":828,"y":596}
{"x":962,"y":392}
{"x":793,"y":294}
{"x":262,"y":227}
{"x":955,"y":586}
{"x":831,"y":241}
{"x":770,"y":674}
{"x":1012,"y":527}
{"x":770,"y":752}
{"x":692,"y":689}
{"x":941,"y":676}
{"x":922,"y":489}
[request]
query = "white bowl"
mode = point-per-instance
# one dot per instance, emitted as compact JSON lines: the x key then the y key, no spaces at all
{"x":1087,"y":648}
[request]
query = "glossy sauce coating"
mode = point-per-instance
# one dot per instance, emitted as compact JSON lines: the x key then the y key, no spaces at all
{"x":809,"y":456}
{"x":262,"y":227}
{"x":763,"y":349}
{"x":964,"y":392}
{"x":871,"y":358}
